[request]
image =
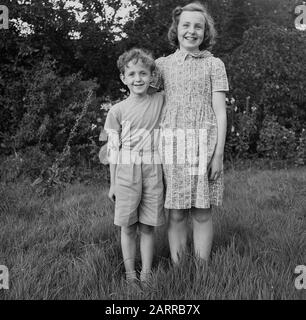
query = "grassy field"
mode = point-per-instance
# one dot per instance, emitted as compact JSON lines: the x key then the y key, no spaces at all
{"x":66,"y":247}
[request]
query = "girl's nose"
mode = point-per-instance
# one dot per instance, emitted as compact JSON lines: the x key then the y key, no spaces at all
{"x":137,"y":77}
{"x":191,"y":29}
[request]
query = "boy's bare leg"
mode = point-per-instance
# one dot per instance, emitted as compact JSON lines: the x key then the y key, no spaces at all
{"x":202,"y":232}
{"x":177,"y":233}
{"x":146,"y":249}
{"x":128,"y":246}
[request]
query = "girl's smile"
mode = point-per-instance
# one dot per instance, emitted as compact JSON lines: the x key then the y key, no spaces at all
{"x":190,"y":30}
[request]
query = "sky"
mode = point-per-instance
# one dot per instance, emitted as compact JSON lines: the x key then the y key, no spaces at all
{"x":122,"y":13}
{"x":300,"y":22}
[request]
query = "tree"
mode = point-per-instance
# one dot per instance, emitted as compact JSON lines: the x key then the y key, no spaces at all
{"x":236,"y":22}
{"x":23,"y":48}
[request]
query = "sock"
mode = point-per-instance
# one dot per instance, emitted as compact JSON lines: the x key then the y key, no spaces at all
{"x":131,"y":275}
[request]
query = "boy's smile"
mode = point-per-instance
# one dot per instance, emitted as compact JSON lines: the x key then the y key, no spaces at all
{"x":190,"y":30}
{"x":137,"y":78}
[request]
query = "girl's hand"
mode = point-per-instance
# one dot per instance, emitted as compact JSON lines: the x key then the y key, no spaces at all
{"x":111,"y":193}
{"x":215,"y":167}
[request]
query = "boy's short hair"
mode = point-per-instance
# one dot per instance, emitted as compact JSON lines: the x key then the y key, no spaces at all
{"x":135,"y":55}
{"x":209,"y":32}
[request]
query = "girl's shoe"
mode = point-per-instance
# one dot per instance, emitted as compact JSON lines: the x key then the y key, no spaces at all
{"x":146,"y":280}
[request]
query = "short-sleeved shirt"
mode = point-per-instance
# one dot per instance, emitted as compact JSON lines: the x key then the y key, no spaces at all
{"x":137,"y":120}
{"x":189,"y":81}
{"x":139,"y":186}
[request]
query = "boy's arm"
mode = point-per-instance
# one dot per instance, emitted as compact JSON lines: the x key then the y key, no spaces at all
{"x":112,"y":156}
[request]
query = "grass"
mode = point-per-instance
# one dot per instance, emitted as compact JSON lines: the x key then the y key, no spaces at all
{"x":66,"y":246}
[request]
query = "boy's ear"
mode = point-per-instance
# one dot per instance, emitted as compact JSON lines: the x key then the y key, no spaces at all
{"x":122,"y":78}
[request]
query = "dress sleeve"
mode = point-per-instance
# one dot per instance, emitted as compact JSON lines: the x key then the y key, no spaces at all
{"x":157,"y":81}
{"x":219,"y":80}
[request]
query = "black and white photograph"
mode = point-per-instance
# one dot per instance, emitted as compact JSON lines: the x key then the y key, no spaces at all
{"x":153,"y":153}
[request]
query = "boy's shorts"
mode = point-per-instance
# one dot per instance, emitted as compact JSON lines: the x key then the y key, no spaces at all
{"x":139,"y":195}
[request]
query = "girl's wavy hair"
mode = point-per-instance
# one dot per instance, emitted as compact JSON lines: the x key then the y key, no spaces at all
{"x":135,"y":55}
{"x":210,"y":32}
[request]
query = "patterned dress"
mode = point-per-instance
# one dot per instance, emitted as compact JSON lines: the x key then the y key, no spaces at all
{"x":189,"y":127}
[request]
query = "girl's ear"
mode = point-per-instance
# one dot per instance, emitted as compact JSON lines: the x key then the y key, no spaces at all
{"x":122,"y":78}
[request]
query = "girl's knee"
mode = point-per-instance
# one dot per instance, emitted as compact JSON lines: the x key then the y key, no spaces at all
{"x":177,"y":216}
{"x":201,"y":215}
{"x":144,"y":228}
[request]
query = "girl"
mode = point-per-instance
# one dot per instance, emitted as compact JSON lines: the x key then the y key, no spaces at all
{"x":193,"y":128}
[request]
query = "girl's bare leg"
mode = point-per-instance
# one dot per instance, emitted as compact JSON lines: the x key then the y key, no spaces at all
{"x":202,"y":232}
{"x":177,"y":233}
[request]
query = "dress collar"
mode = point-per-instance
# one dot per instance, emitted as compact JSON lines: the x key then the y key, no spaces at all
{"x":182,"y":55}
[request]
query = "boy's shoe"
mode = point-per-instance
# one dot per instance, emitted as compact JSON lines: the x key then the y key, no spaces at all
{"x":133,"y":285}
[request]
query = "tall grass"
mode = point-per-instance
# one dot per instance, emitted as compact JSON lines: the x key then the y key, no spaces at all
{"x":66,"y":246}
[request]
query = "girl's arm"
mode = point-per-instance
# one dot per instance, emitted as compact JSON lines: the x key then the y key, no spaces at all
{"x":219,"y":107}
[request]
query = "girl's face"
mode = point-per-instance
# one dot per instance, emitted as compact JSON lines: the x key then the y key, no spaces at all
{"x":190,"y":30}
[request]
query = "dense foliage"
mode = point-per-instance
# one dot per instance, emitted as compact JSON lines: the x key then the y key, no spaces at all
{"x":267,"y":77}
{"x":51,"y":59}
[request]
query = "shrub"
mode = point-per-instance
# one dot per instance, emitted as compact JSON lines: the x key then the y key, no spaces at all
{"x":275,"y":141}
{"x":301,"y":149}
{"x":241,"y":131}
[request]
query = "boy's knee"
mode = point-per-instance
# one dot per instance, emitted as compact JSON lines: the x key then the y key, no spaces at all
{"x":130,"y":231}
{"x":177,"y":216}
{"x":144,"y":228}
{"x":201,"y":215}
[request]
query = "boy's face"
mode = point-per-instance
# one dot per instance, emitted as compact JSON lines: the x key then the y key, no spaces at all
{"x":137,"y":78}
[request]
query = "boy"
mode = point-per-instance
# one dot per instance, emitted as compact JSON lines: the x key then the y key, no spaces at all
{"x":136,"y":185}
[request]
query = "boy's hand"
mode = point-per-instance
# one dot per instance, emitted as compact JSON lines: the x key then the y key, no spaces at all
{"x":111,"y":193}
{"x":215,"y":167}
